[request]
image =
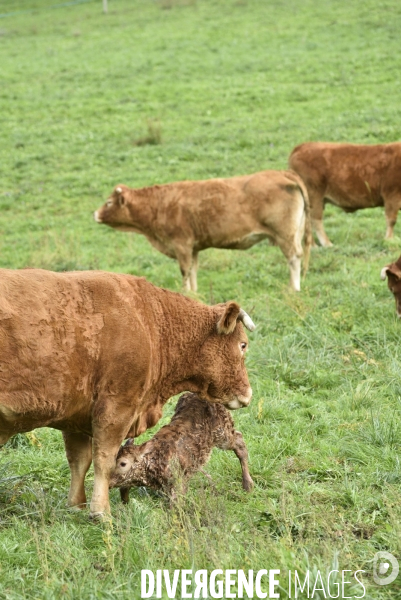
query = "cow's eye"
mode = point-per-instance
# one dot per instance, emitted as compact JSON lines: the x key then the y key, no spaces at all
{"x":123,"y":464}
{"x":243,"y":346}
{"x":109,"y":203}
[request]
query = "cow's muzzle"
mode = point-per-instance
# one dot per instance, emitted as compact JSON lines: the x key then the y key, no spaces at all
{"x":240,"y":401}
{"x":97,"y":217}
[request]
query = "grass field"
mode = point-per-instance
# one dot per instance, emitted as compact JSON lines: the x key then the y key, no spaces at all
{"x":230,"y":87}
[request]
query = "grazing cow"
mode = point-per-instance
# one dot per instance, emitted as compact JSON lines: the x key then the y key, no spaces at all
{"x":393,"y":274}
{"x":181,"y":219}
{"x":350,"y":176}
{"x":97,"y":354}
{"x":184,"y":445}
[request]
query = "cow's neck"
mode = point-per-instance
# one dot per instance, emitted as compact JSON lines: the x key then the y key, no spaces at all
{"x":143,"y":206}
{"x":183,"y":332}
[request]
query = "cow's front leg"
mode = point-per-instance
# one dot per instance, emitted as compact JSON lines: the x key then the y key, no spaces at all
{"x":78,"y":448}
{"x":184,"y":258}
{"x":106,"y":443}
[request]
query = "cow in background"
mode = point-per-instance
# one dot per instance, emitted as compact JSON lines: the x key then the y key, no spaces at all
{"x":181,"y":219}
{"x":350,"y":176}
{"x":393,"y":274}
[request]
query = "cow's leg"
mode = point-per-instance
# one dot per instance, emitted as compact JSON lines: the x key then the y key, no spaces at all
{"x":193,"y":273}
{"x":78,"y":448}
{"x":295,"y":272}
{"x":107,"y":439}
{"x":184,"y":258}
{"x":292,"y":250}
{"x":241,"y":451}
{"x":391,"y":207}
{"x":316,"y":212}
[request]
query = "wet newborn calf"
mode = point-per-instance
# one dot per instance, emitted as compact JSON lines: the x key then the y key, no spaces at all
{"x":180,"y":448}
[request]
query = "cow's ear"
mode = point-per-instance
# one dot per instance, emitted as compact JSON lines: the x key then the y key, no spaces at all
{"x":228,"y":320}
{"x":120,"y":195}
{"x":394,"y":269}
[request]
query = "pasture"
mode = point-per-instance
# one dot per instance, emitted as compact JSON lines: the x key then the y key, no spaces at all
{"x":157,"y":91}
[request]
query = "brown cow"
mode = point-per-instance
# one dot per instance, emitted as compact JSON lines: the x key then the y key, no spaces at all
{"x":180,"y":448}
{"x":181,"y":219}
{"x":97,"y":354}
{"x":350,"y":176}
{"x":393,"y":274}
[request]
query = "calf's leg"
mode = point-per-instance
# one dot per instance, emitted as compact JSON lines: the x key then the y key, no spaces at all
{"x":241,"y":451}
{"x":78,"y":448}
{"x":124,"y":495}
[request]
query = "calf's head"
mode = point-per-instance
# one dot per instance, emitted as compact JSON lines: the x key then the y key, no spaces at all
{"x":393,"y":274}
{"x":221,"y":358}
{"x":122,"y":474}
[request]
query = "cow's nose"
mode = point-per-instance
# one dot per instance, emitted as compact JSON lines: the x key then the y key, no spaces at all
{"x":240,"y":401}
{"x":96,"y":217}
{"x":245,"y":400}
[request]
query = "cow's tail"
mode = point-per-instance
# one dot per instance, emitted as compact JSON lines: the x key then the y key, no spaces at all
{"x":308,"y":237}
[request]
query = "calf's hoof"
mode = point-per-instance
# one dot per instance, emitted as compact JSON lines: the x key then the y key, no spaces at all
{"x":248,"y":485}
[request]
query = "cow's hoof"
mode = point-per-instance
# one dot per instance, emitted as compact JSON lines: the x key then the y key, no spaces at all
{"x":99,"y":517}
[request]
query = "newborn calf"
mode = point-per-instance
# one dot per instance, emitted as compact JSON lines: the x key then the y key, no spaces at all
{"x":180,"y":448}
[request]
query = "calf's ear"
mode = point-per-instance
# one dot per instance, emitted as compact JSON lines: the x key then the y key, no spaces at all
{"x":228,"y":320}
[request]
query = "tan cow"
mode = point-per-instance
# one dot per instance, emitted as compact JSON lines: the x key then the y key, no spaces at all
{"x":97,"y":354}
{"x":350,"y":176}
{"x":181,"y":219}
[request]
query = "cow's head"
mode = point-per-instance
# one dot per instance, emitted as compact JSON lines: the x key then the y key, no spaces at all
{"x":115,"y":211}
{"x":222,"y":358}
{"x":393,"y":274}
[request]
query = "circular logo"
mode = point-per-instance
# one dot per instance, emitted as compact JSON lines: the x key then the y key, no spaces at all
{"x":385,"y":568}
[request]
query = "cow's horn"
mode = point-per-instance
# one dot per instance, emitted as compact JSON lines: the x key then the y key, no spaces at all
{"x":383,"y":273}
{"x":246,"y":319}
{"x":119,"y":190}
{"x":129,"y":442}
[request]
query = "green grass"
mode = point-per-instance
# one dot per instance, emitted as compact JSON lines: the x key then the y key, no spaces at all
{"x":229,"y":87}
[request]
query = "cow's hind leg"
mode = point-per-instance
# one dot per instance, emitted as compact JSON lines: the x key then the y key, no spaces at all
{"x":78,"y":448}
{"x":316,"y":201}
{"x":193,"y":273}
{"x":391,"y":207}
{"x":292,"y":250}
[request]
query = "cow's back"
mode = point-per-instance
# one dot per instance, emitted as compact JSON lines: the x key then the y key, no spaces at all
{"x":343,"y":170}
{"x":61,"y":334}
